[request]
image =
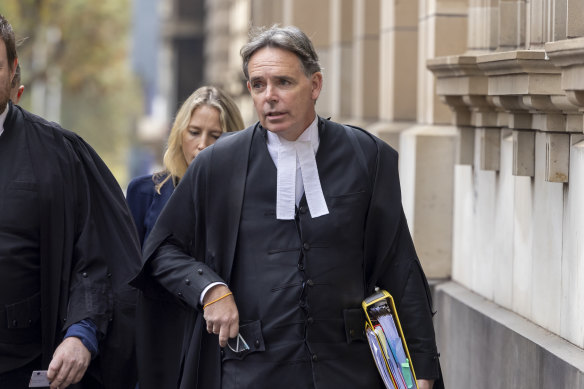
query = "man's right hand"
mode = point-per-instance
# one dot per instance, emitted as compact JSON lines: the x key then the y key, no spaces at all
{"x":222,"y":317}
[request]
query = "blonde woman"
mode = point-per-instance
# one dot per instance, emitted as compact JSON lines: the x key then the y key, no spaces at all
{"x":200,"y":121}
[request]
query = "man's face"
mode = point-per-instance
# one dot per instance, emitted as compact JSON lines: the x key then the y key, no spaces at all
{"x":6,"y":74}
{"x":282,"y":94}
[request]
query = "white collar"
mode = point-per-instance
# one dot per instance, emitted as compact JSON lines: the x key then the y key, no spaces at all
{"x":310,"y":134}
{"x":297,"y":172}
{"x":3,"y":117}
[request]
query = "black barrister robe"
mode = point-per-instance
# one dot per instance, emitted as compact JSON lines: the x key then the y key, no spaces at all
{"x":194,"y":243}
{"x":89,"y":248}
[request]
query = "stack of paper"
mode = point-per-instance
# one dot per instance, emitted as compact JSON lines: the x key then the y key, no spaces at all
{"x":387,"y":342}
{"x":388,"y":352}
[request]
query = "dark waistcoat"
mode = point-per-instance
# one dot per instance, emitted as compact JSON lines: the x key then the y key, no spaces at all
{"x":297,"y":281}
{"x":20,"y":333}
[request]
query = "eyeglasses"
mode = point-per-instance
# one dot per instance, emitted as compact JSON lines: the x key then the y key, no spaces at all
{"x":237,"y":344}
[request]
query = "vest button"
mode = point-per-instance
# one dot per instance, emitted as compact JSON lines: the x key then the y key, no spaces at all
{"x":300,"y":266}
{"x":222,"y":353}
{"x":310,"y":321}
{"x":310,"y":282}
{"x":257,"y":343}
{"x":200,"y":271}
{"x":303,"y":209}
{"x":14,"y":323}
{"x":187,"y":281}
{"x":306,"y":246}
{"x":314,"y":358}
{"x":179,"y":294}
{"x":84,"y":275}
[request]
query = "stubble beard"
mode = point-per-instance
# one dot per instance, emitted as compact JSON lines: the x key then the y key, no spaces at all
{"x":4,"y":97}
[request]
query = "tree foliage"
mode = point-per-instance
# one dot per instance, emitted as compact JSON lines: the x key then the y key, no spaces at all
{"x":87,"y":41}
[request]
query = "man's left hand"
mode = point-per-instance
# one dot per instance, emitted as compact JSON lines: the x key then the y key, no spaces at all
{"x":425,"y":384}
{"x":70,"y":361}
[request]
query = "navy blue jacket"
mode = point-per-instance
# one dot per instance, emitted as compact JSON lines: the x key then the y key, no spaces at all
{"x":146,"y":204}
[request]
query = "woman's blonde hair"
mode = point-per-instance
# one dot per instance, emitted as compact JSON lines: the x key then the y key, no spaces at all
{"x":229,"y":116}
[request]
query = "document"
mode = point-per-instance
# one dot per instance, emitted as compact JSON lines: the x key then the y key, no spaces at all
{"x":387,"y":342}
{"x":377,"y":352}
{"x":397,"y":350}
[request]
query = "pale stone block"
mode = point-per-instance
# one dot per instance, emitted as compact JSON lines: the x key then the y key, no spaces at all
{"x":450,"y":35}
{"x":341,"y":16}
{"x":483,"y":223}
{"x":389,"y":131}
{"x":438,"y":36}
{"x":537,"y":27}
{"x":464,"y":253}
{"x":448,"y":7}
{"x":512,"y":26}
{"x":501,"y":242}
{"x":548,"y":205}
{"x":427,"y":187}
{"x":339,"y":80}
{"x":524,"y":153}
{"x":387,"y":63}
{"x":370,"y":66}
{"x":575,"y":123}
{"x":549,"y":122}
{"x":490,"y":148}
{"x":559,"y":20}
{"x":312,"y":23}
{"x":405,"y":80}
{"x":324,"y":102}
{"x":575,"y":27}
{"x":267,"y":12}
{"x":518,"y":121}
{"x":523,"y":246}
{"x":425,"y":79}
{"x":572,"y":318}
{"x":466,"y":144}
{"x":557,"y":157}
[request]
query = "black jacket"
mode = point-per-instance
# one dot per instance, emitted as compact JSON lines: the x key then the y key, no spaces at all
{"x":88,"y":247}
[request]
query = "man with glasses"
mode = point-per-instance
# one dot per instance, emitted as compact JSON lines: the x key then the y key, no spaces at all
{"x":277,"y":233}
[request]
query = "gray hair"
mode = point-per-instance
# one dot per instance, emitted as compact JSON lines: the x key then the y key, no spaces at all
{"x":288,"y":38}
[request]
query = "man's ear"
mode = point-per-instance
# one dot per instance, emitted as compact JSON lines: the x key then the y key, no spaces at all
{"x":316,"y":81}
{"x":248,"y":86}
{"x":19,"y":94}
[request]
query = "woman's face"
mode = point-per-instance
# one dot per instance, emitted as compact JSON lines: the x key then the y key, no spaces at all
{"x":203,"y":130}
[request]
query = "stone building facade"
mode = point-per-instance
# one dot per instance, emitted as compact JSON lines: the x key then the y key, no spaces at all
{"x":484,"y":100}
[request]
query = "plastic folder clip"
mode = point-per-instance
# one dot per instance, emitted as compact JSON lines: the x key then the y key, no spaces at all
{"x":387,"y":342}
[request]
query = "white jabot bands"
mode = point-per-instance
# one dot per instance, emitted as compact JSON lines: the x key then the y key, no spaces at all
{"x":297,"y":173}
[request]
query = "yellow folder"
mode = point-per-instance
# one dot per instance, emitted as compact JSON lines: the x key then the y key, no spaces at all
{"x":387,"y":342}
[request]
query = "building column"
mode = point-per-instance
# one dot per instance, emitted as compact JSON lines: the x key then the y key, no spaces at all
{"x":338,"y":77}
{"x":398,"y":39}
{"x":428,"y":149}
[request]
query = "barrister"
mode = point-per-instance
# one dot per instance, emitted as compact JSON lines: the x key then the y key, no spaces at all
{"x":67,"y":249}
{"x":278,"y":233}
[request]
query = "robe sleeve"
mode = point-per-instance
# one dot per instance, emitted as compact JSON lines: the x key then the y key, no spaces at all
{"x":174,"y":253}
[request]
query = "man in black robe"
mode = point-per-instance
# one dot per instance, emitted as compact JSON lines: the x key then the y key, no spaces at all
{"x":277,"y":234}
{"x":67,"y":249}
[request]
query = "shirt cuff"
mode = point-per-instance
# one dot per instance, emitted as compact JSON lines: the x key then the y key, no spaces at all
{"x":212,"y":284}
{"x":86,"y":331}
